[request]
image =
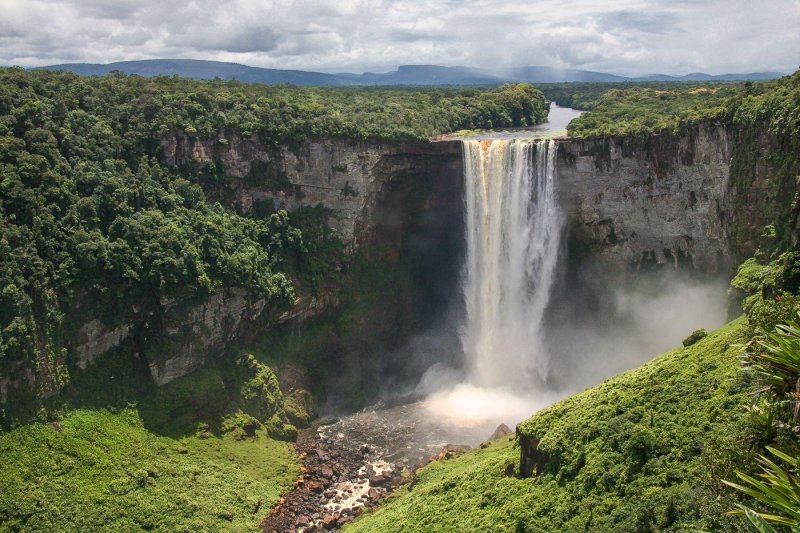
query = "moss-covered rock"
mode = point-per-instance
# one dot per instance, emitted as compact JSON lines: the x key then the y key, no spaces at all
{"x":299,"y":406}
{"x":241,"y":425}
{"x":278,"y":428}
{"x":258,"y":389}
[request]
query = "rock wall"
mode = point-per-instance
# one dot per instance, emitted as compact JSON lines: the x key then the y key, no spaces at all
{"x":375,"y":191}
{"x":349,"y":177}
{"x":662,"y":199}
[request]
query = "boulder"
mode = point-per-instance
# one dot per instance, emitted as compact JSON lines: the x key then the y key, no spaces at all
{"x":379,"y":480}
{"x":329,"y":521}
{"x":451,"y":450}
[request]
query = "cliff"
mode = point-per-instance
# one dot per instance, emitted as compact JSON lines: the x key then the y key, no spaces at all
{"x":661,"y":199}
{"x":350,"y":177}
{"x":391,"y":195}
{"x":631,"y":202}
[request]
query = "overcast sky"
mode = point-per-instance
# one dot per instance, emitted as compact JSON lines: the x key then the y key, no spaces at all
{"x":624,"y":37}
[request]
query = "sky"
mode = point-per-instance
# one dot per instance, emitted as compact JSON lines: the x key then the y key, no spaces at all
{"x":616,"y":36}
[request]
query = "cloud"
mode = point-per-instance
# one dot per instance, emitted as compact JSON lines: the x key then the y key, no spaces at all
{"x":661,"y":23}
{"x":236,"y":40}
{"x":619,"y":36}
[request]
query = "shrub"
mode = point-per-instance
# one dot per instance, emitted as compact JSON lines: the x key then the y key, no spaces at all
{"x":695,"y":336}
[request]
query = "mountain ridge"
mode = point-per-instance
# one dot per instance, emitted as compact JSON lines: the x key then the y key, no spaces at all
{"x":404,"y":75}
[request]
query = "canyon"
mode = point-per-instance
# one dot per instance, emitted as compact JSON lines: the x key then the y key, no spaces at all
{"x":664,"y":200}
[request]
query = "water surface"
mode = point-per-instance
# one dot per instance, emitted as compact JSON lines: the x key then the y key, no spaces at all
{"x":556,"y":126}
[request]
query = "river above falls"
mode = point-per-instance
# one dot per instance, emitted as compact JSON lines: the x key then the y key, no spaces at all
{"x":556,"y":126}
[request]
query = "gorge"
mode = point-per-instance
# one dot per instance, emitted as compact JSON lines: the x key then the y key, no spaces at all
{"x":193,"y":277}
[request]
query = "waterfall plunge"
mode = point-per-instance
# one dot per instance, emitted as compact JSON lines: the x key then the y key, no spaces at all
{"x":513,"y":236}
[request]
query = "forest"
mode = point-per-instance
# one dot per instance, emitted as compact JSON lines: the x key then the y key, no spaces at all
{"x":90,"y":212}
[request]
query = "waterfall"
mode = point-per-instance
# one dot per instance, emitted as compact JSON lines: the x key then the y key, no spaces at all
{"x":513,"y":231}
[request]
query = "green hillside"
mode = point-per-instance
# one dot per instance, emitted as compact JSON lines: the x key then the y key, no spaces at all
{"x":643,"y":451}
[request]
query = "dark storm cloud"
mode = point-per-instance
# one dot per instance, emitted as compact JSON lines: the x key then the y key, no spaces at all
{"x":622,"y":36}
{"x":236,"y":40}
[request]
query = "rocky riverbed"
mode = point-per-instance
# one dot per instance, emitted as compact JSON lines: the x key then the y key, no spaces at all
{"x":337,"y":484}
{"x":350,"y":464}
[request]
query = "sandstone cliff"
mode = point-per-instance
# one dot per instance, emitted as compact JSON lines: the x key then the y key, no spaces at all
{"x":663,"y":199}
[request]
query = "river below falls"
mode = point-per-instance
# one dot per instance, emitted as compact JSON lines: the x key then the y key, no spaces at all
{"x":412,"y":432}
{"x":406,"y":433}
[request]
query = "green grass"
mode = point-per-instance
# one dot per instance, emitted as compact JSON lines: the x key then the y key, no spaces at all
{"x":95,"y":470}
{"x":643,"y":451}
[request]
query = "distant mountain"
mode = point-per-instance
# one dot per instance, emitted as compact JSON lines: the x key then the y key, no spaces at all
{"x":701,"y":76}
{"x":556,"y":75}
{"x":404,"y":75}
{"x":204,"y":70}
{"x":430,"y":75}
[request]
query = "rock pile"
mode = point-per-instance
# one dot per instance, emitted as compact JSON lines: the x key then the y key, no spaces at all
{"x":336,"y":486}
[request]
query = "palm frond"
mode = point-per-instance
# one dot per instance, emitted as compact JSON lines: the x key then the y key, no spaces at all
{"x":776,"y":487}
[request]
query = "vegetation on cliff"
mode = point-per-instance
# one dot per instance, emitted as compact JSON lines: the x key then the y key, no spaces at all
{"x":642,"y":110}
{"x":587,"y":95}
{"x":765,"y":164}
{"x":625,"y":109}
{"x":95,"y":224}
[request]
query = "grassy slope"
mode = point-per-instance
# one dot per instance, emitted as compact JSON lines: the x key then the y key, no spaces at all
{"x":98,"y":470}
{"x":626,"y":455}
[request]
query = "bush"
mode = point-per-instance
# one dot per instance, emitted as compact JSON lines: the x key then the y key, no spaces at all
{"x":695,"y":336}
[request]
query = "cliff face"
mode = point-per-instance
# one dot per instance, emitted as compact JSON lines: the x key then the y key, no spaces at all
{"x":659,"y":200}
{"x":390,"y":194}
{"x":630,"y":202}
{"x":350,"y":177}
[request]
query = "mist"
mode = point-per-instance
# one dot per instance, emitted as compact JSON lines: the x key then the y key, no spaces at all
{"x":535,"y":316}
{"x":592,"y":332}
{"x":626,"y":325}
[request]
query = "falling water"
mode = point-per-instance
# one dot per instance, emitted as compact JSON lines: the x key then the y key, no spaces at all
{"x":513,"y":234}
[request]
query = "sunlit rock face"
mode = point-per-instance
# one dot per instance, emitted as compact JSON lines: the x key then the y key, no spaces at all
{"x":352,"y":178}
{"x":662,"y":199}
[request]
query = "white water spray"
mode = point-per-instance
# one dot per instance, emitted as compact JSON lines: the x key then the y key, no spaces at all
{"x":514,"y":228}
